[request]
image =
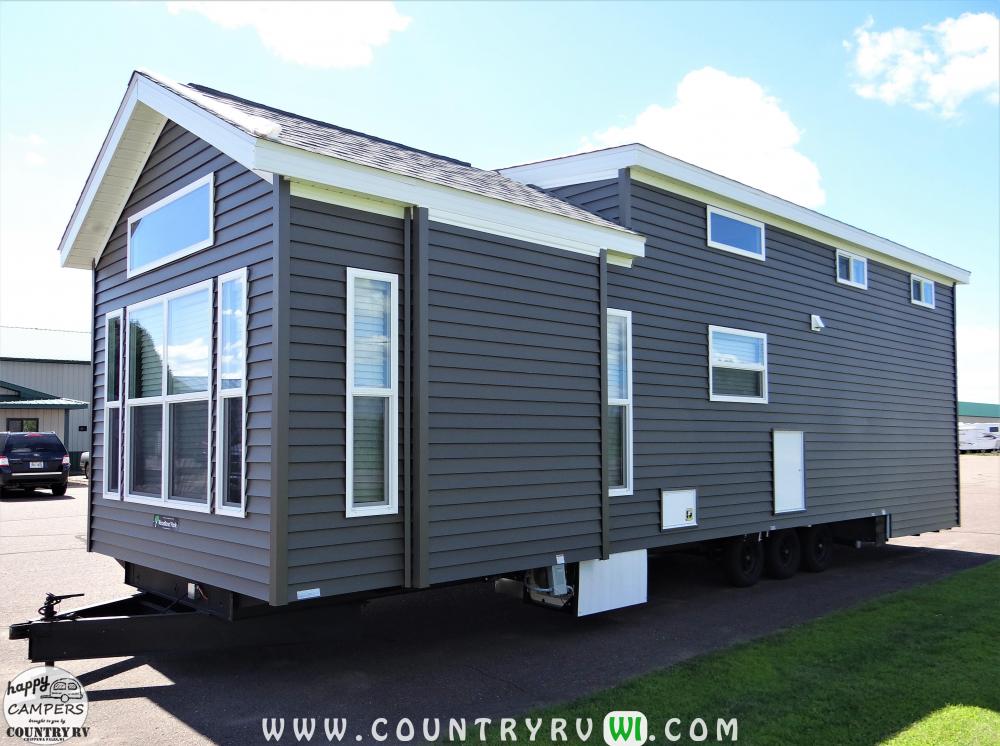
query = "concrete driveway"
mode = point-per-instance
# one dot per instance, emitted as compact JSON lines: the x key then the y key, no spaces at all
{"x":453,"y":652}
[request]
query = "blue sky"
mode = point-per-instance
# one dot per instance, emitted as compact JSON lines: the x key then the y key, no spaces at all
{"x":498,"y":84}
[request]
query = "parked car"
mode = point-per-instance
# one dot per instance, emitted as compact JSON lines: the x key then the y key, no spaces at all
{"x":85,"y":463}
{"x":30,"y":460}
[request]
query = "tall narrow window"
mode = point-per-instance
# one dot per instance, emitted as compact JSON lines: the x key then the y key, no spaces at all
{"x":737,"y":365}
{"x":169,"y":368}
{"x":921,"y":291}
{"x":112,"y":404}
{"x":852,"y":270}
{"x":231,"y":394}
{"x":619,"y":456}
{"x":372,"y":385}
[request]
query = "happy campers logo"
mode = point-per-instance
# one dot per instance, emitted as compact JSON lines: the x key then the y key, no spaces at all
{"x":45,"y":705}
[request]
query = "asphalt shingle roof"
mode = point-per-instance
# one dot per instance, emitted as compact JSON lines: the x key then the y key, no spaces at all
{"x":328,"y":139}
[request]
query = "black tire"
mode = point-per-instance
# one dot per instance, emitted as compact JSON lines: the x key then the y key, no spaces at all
{"x":782,"y":554}
{"x":743,"y":561}
{"x":817,"y":548}
{"x":59,"y":490}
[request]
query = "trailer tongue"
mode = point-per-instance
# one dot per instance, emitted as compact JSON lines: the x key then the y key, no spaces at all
{"x":146,"y":623}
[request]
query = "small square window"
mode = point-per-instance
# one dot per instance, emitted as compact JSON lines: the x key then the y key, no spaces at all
{"x":852,"y":270}
{"x":921,"y":291}
{"x":731,"y":232}
{"x":737,"y":370}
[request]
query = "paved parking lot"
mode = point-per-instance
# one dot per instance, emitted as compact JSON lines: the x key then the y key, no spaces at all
{"x":460,"y":651}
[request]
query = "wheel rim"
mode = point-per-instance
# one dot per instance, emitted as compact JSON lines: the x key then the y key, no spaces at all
{"x":748,"y":560}
{"x":785,"y":550}
{"x":821,"y":547}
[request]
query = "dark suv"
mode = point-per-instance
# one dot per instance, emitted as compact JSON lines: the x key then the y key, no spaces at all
{"x":29,"y":460}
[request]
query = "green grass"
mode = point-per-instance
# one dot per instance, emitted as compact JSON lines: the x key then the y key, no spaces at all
{"x":916,"y":667}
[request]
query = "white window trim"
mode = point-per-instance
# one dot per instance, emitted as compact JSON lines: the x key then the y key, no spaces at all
{"x":162,"y":400}
{"x":923,"y":281}
{"x":710,"y":210}
{"x":231,"y":393}
{"x":762,"y":368}
{"x":851,"y":259}
{"x":627,"y":403}
{"x":391,"y":506}
{"x":112,"y":406}
{"x":133,"y":271}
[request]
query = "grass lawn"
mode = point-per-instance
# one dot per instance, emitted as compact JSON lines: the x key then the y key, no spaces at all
{"x":913,"y":668}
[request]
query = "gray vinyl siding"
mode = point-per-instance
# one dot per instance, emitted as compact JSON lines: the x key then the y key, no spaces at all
{"x":326,"y":549}
{"x":874,"y":392}
{"x":219,"y":550}
{"x":514,"y":401}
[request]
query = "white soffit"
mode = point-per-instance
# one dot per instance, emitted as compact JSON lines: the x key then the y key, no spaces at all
{"x":147,"y":106}
{"x":671,"y":174}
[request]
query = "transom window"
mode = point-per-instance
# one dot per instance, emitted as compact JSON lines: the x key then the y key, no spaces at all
{"x":736,"y":233}
{"x":176,"y":226}
{"x":737,"y":365}
{"x":619,"y":457}
{"x":167,"y":403}
{"x":852,"y":270}
{"x":372,"y":387}
{"x":922,"y":291}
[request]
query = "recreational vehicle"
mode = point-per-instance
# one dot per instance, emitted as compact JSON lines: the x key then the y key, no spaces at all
{"x":979,"y":437}
{"x":328,"y":366}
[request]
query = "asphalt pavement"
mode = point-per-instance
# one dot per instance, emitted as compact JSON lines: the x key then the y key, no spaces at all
{"x":461,"y":651}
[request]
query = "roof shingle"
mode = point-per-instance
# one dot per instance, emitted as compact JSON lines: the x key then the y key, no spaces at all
{"x":338,"y":142}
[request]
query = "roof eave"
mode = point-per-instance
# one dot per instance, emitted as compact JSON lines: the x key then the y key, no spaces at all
{"x":646,"y":163}
{"x":449,"y":204}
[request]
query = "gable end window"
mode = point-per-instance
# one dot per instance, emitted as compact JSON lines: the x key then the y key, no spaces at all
{"x":852,"y":270}
{"x":179,"y":224}
{"x":167,"y":424}
{"x":921,"y":291}
{"x":619,"y":457}
{"x":372,"y":388}
{"x":735,"y":233}
{"x":737,"y":369}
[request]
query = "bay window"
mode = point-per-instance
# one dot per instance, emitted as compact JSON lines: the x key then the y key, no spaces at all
{"x":167,"y":403}
{"x":372,"y":387}
{"x":619,"y":457}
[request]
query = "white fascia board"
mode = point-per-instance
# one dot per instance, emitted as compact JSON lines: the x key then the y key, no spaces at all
{"x":448,"y":205}
{"x":224,"y":136}
{"x":137,"y":124}
{"x":660,"y":170}
{"x":95,"y":179}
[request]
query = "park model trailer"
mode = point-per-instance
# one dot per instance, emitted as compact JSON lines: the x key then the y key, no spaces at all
{"x":329,"y":366}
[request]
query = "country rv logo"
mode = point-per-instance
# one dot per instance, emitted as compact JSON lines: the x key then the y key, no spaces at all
{"x":45,"y":705}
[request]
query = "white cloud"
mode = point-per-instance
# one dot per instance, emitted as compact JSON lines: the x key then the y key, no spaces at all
{"x":314,"y":34}
{"x":31,"y":147}
{"x":731,"y":126}
{"x":936,"y":67}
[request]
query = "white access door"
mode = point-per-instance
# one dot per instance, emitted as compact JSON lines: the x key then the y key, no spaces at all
{"x":789,"y":471}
